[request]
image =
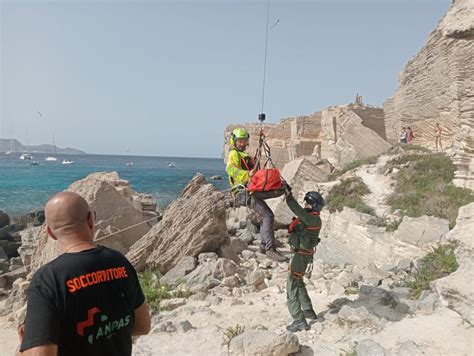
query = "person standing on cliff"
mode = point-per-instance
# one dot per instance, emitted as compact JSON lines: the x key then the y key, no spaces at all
{"x":438,"y":131}
{"x":410,"y":135}
{"x":303,"y":239}
{"x":403,"y":135}
{"x":240,"y":167}
{"x":88,"y":301}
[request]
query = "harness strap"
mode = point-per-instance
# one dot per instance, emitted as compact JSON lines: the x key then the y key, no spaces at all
{"x":296,"y":221}
{"x":296,"y":275}
{"x":305,"y":252}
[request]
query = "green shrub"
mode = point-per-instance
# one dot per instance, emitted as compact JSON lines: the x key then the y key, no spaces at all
{"x":352,"y":352}
{"x":233,"y":331}
{"x":349,"y":193}
{"x":436,"y":264}
{"x":424,"y":187}
{"x":155,"y":292}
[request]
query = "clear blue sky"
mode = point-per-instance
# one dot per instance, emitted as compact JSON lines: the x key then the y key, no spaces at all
{"x":165,"y":77}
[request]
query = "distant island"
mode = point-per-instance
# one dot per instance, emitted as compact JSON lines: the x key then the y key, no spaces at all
{"x":14,"y":145}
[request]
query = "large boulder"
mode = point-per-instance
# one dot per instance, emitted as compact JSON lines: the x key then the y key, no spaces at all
{"x":211,"y":272}
{"x":436,"y":86}
{"x":10,"y":248}
{"x":260,"y":342}
{"x":176,"y":274}
{"x":457,"y":289}
{"x":29,"y":242}
{"x":4,"y":219}
{"x":112,"y":201}
{"x":34,"y":218}
{"x":350,"y":237}
{"x":193,"y":223}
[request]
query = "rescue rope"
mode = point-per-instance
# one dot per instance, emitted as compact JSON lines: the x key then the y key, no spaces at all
{"x":27,"y":267}
{"x":125,"y":229}
{"x":265,"y":55}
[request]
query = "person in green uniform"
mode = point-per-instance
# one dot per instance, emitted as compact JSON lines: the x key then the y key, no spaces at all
{"x":303,"y":239}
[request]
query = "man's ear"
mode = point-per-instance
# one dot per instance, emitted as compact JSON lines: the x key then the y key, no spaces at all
{"x":51,"y":234}
{"x":90,"y":220}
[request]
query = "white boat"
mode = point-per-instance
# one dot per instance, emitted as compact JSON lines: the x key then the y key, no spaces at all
{"x":52,"y":158}
{"x":130,"y":163}
{"x":34,"y":163}
{"x":172,"y":164}
{"x":66,"y":161}
{"x":26,"y":156}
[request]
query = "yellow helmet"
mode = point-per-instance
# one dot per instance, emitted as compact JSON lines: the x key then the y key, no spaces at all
{"x":238,"y":133}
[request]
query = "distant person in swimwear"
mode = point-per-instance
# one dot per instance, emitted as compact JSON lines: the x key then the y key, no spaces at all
{"x":438,"y":132}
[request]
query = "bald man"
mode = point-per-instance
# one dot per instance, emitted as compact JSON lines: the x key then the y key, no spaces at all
{"x":87,"y":301}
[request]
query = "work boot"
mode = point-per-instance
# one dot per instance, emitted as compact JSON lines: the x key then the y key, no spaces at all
{"x":298,"y":325}
{"x":310,"y":314}
{"x":275,"y":255}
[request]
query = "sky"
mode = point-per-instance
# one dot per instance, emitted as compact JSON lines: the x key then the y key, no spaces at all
{"x":164,"y":78}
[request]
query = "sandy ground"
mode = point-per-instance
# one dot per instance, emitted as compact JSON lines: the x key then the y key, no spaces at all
{"x":8,"y":337}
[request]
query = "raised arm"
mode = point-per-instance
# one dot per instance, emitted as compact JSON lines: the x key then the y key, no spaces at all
{"x":299,"y":211}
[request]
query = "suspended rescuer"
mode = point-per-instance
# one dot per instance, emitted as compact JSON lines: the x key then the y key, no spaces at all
{"x":87,"y":301}
{"x":240,"y":167}
{"x":303,"y":239}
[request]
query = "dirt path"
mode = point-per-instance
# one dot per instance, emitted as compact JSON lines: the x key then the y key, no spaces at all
{"x":380,"y":186}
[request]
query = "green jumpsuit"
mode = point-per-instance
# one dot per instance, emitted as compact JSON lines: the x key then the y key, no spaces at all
{"x":303,"y":238}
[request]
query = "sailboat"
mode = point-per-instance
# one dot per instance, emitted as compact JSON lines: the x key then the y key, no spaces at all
{"x":26,"y":155}
{"x":52,"y":158}
{"x":130,"y":162}
{"x":12,"y":150}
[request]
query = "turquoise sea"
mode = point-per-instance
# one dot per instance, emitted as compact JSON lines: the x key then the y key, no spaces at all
{"x":24,"y":188}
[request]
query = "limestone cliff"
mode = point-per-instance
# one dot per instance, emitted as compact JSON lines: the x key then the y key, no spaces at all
{"x":437,"y":86}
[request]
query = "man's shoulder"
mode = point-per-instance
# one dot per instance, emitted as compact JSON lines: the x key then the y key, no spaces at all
{"x":100,"y":252}
{"x":110,"y":252}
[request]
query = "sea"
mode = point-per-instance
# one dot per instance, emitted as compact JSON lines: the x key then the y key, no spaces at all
{"x":25,"y":187}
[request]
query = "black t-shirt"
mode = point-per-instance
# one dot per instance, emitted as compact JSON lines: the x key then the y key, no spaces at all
{"x":84,"y":302}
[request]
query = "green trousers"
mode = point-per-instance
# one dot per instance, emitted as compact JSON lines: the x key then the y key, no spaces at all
{"x":296,"y":294}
